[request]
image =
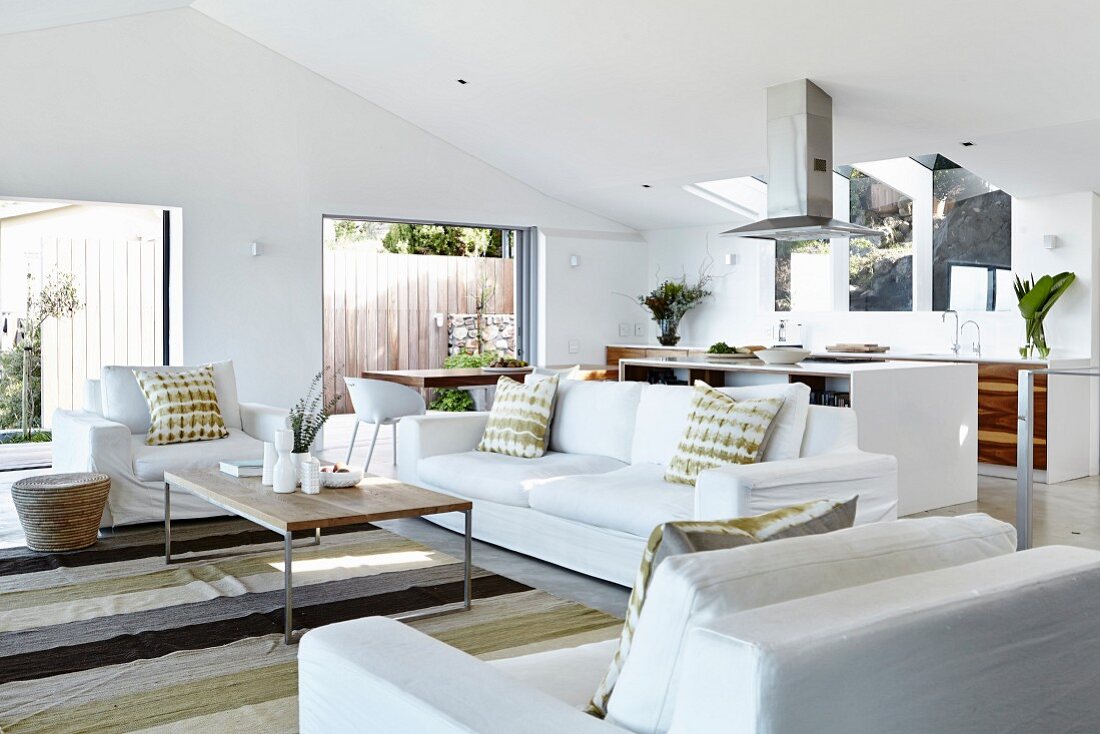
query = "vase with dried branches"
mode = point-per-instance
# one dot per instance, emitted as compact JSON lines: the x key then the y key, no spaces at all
{"x":308,"y":416}
{"x":671,"y":300}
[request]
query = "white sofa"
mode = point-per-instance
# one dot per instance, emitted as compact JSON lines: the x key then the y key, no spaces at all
{"x":930,"y":625}
{"x":590,"y":503}
{"x":109,"y":436}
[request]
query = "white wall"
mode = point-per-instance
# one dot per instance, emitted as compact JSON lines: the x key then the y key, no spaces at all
{"x":174,"y":109}
{"x":586,"y":303}
{"x":735,"y":315}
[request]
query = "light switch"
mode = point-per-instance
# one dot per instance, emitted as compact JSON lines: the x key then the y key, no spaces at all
{"x":639,"y":328}
{"x":624,"y":329}
{"x":574,"y":346}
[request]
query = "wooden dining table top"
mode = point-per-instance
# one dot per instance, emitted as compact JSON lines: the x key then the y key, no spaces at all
{"x":435,"y":378}
{"x":473,"y":376}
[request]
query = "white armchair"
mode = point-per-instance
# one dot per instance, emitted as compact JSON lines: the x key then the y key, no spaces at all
{"x":882,"y":628}
{"x":109,"y":436}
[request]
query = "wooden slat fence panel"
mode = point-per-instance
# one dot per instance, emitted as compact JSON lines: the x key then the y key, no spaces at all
{"x":379,"y":309}
{"x":121,"y":285}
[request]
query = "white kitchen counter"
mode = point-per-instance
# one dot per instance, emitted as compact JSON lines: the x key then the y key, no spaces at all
{"x":1056,"y":359}
{"x":808,"y":368}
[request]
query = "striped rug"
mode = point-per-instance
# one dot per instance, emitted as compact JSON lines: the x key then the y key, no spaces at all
{"x":112,"y":640}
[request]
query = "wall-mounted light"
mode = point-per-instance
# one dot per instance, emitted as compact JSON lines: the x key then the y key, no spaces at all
{"x":1050,"y":241}
{"x":438,"y":320}
{"x":574,"y":261}
{"x":731,"y":258}
{"x":255,"y":249}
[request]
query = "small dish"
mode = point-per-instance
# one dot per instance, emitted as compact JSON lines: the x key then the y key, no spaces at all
{"x":341,"y":480}
{"x":783,"y":355}
{"x":505,"y":370}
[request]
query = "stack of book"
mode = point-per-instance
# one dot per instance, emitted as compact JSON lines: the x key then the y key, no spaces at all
{"x":243,"y":468}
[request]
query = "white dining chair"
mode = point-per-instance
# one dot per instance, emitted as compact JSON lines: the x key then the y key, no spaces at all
{"x":381,"y":403}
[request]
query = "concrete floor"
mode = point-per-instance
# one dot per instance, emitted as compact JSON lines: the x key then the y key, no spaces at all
{"x":1064,"y":514}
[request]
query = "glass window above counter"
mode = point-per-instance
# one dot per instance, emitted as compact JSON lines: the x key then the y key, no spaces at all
{"x":945,"y":242}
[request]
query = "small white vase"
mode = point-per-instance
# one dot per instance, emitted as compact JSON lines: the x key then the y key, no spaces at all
{"x":300,"y":462}
{"x":267,"y":478}
{"x":310,"y":471}
{"x":285,"y":479}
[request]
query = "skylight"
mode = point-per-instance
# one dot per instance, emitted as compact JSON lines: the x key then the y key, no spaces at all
{"x":746,"y":196}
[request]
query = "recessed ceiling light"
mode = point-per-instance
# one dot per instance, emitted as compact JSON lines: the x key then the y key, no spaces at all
{"x":646,"y":186}
{"x":462,"y":81}
{"x":966,"y":144}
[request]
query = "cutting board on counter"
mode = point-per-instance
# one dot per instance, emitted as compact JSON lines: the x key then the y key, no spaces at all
{"x":858,"y":348}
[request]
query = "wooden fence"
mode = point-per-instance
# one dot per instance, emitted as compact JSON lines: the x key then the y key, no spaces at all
{"x":380,"y":309}
{"x":122,"y":287}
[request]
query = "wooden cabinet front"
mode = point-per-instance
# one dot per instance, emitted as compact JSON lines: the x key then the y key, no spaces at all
{"x":614,"y":354}
{"x":998,"y":400}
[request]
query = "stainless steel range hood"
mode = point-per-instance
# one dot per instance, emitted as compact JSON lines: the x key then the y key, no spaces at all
{"x":800,"y":169}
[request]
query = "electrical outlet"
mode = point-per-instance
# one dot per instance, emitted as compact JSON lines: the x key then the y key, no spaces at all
{"x":624,"y":329}
{"x":639,"y":328}
{"x":766,"y":332}
{"x":574,"y":346}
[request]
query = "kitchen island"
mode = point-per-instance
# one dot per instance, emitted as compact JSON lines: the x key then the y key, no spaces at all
{"x":923,"y":413}
{"x":1067,"y":409}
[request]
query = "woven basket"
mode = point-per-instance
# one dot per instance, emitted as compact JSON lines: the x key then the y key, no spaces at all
{"x":61,"y":512}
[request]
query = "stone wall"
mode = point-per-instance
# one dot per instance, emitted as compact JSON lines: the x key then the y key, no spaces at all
{"x":498,"y":333}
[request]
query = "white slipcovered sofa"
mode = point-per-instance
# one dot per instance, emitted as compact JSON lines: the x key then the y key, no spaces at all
{"x":930,"y":625}
{"x":109,"y":436}
{"x":590,"y":503}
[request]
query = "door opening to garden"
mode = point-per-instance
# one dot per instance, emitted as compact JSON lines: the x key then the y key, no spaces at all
{"x":409,"y":296}
{"x":81,"y":286}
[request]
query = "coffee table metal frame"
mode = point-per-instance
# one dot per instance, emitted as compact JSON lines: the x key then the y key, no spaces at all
{"x":288,"y":574}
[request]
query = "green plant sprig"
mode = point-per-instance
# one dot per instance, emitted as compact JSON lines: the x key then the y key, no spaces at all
{"x":309,"y":414}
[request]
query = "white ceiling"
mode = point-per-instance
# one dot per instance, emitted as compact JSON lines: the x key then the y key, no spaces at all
{"x":587,"y":100}
{"x":17,"y":16}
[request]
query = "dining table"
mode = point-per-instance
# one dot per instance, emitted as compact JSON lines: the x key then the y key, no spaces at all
{"x":480,"y":377}
{"x":437,"y":378}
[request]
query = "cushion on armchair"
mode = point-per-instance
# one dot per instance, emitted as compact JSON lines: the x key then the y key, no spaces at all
{"x":123,"y":402}
{"x":183,"y":406}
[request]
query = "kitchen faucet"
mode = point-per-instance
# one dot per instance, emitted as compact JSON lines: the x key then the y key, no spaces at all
{"x":977,"y":345}
{"x":955,"y":344}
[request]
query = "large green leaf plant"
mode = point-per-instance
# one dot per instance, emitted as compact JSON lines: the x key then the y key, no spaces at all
{"x":1036,"y":297}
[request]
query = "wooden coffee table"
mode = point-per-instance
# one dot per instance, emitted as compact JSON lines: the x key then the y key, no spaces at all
{"x":374,"y":499}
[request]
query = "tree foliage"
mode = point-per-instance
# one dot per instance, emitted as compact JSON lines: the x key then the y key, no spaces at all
{"x":433,"y":239}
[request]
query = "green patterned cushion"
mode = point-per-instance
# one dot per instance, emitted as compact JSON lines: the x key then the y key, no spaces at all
{"x":719,"y":431}
{"x":519,"y":423}
{"x":183,"y":406}
{"x":691,"y":536}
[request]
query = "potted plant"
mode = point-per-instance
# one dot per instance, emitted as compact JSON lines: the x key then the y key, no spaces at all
{"x":1036,"y":298}
{"x":670,"y":301}
{"x":308,"y":416}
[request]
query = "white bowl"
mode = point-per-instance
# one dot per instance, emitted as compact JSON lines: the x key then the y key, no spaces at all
{"x":341,"y":480}
{"x":783,"y":355}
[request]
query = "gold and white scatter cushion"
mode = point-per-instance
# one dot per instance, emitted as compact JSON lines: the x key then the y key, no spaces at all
{"x":519,"y":422}
{"x":719,"y":431}
{"x":183,"y":406}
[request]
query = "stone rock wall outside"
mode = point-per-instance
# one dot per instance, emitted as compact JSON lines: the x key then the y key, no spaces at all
{"x":498,"y":333}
